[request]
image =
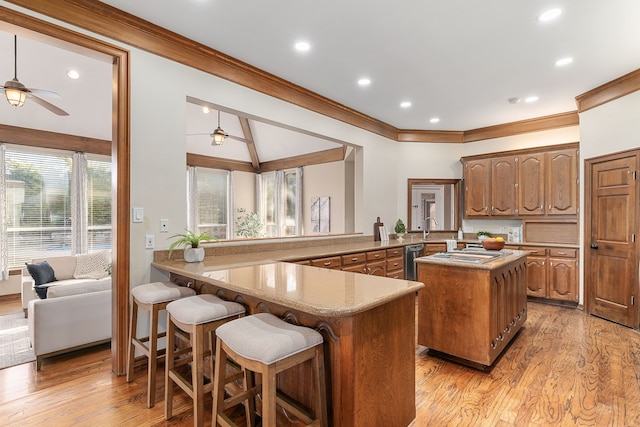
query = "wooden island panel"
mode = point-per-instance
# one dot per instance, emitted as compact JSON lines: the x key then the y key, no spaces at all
{"x":471,"y":313}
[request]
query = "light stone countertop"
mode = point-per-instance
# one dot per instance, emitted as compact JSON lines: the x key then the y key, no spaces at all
{"x":317,"y":291}
{"x":508,"y":255}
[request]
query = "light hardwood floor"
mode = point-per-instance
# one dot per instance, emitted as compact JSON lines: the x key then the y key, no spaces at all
{"x":564,"y":369}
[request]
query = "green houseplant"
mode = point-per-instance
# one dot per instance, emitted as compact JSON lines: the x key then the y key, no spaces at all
{"x":483,"y":235}
{"x":400,"y":229}
{"x":248,"y":224}
{"x":191,"y":241}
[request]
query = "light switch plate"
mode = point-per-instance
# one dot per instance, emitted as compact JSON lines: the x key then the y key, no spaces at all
{"x":138,"y":215}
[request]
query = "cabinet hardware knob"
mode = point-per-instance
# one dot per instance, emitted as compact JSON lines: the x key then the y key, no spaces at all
{"x":594,"y":246}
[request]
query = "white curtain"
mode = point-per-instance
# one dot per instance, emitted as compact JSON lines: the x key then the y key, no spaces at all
{"x":79,"y":204}
{"x":231,"y":208}
{"x":4,"y":247}
{"x":280,"y":195}
{"x":259,"y":202}
{"x":299,"y":207}
{"x":192,"y":199}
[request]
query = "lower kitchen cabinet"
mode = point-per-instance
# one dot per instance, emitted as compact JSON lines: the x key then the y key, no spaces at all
{"x":552,"y":273}
{"x":389,"y":262}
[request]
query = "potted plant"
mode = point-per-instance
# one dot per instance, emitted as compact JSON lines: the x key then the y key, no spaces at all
{"x":483,"y":235}
{"x":400,"y":229}
{"x":191,"y":241}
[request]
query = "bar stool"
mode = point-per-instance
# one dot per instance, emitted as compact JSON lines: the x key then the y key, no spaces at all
{"x":265,"y":344}
{"x":152,"y":297}
{"x":198,"y":316}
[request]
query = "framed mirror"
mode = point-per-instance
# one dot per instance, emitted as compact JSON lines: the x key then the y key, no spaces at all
{"x":436,"y":201}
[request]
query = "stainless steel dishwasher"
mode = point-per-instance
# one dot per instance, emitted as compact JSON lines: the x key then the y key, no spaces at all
{"x":412,"y":252}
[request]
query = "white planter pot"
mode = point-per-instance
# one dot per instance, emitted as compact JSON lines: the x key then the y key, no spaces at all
{"x":193,"y":254}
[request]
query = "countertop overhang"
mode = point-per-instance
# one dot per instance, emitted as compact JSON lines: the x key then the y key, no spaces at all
{"x":319,"y":291}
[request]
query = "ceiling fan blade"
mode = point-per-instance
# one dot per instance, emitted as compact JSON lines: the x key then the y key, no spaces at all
{"x":237,"y":138}
{"x":48,"y":105}
{"x":47,"y":93}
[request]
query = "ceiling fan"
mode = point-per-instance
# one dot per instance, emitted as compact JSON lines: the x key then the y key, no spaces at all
{"x":17,"y":93}
{"x":220,"y":135}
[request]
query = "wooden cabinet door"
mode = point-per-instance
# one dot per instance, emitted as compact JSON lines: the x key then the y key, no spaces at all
{"x":563,"y":283}
{"x":562,"y":182}
{"x":536,"y":276}
{"x":503,"y":186}
{"x":477,"y":176}
{"x":531,"y":184}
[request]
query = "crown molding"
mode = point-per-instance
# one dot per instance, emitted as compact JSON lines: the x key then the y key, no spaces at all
{"x":615,"y":89}
{"x":554,"y":121}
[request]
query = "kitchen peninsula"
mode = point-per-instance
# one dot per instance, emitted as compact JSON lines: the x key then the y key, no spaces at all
{"x":368,"y":324}
{"x":471,"y":308}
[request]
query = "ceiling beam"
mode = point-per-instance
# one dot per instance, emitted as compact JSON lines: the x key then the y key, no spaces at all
{"x":251,"y":146}
{"x":59,"y":141}
{"x":326,"y":156}
{"x":200,"y":160}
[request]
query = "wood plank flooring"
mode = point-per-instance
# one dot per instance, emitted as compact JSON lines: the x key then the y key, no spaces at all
{"x":564,"y":369}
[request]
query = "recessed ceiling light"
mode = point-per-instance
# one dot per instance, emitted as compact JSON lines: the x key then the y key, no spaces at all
{"x":206,"y":110}
{"x":405,"y":104}
{"x":549,"y":15}
{"x":302,"y":46}
{"x":364,"y":81}
{"x":563,"y":61}
{"x":434,"y":120}
{"x":73,"y":74}
{"x":532,"y":98}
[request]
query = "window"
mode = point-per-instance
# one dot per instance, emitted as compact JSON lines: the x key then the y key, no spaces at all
{"x":211,"y":202}
{"x":281,"y":202}
{"x":39,"y":204}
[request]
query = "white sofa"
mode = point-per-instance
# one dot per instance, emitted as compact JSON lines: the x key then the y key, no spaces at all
{"x":63,"y":324}
{"x":64,"y":268}
{"x":75,"y":314}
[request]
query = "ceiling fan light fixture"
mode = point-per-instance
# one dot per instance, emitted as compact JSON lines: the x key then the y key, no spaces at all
{"x":218,"y":136}
{"x":14,"y":93}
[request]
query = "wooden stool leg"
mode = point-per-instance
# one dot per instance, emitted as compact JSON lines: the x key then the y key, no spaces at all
{"x":218,"y":383}
{"x":197,"y":375}
{"x":320,"y":385}
{"x":133,"y":329}
{"x":153,"y":356}
{"x":250,"y":404}
{"x":269,"y":396}
{"x":169,"y":366}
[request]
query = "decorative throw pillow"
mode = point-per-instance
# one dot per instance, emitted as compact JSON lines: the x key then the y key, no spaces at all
{"x":92,"y":266}
{"x":41,"y":272}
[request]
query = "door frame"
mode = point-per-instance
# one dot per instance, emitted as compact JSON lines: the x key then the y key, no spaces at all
{"x":589,"y":282}
{"x":120,"y":160}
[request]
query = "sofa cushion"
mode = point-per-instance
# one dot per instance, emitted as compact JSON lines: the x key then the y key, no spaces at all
{"x":41,"y":272}
{"x":92,"y":266}
{"x":63,"y":265}
{"x":78,"y":286}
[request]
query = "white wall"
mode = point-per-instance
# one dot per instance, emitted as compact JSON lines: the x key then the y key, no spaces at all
{"x":327,"y":179}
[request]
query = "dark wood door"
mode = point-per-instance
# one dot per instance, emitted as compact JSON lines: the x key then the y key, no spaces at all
{"x":610,"y":243}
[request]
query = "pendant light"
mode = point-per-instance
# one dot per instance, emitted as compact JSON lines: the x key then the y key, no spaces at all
{"x":218,"y":134}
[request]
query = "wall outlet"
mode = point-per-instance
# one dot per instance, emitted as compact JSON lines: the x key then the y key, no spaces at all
{"x":164,"y":225}
{"x":502,"y":230}
{"x":149,"y":241}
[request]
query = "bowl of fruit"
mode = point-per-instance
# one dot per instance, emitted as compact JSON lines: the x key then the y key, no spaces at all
{"x":493,"y":243}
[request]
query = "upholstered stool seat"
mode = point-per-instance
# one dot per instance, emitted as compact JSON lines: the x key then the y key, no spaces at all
{"x":198,"y":316}
{"x":265,"y":344}
{"x":151,"y":297}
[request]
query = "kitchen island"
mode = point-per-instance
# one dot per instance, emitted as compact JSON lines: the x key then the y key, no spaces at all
{"x":471,"y":306}
{"x":368,"y":324}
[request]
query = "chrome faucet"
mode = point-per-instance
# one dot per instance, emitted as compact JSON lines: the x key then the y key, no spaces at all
{"x":427,"y":229}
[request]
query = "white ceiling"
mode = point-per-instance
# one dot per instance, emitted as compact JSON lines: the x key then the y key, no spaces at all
{"x":459,"y":60}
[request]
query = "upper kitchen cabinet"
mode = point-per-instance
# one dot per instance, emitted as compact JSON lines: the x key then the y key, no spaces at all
{"x":523,"y":184}
{"x":562,"y":182}
{"x":504,"y":173}
{"x":477,"y":187}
